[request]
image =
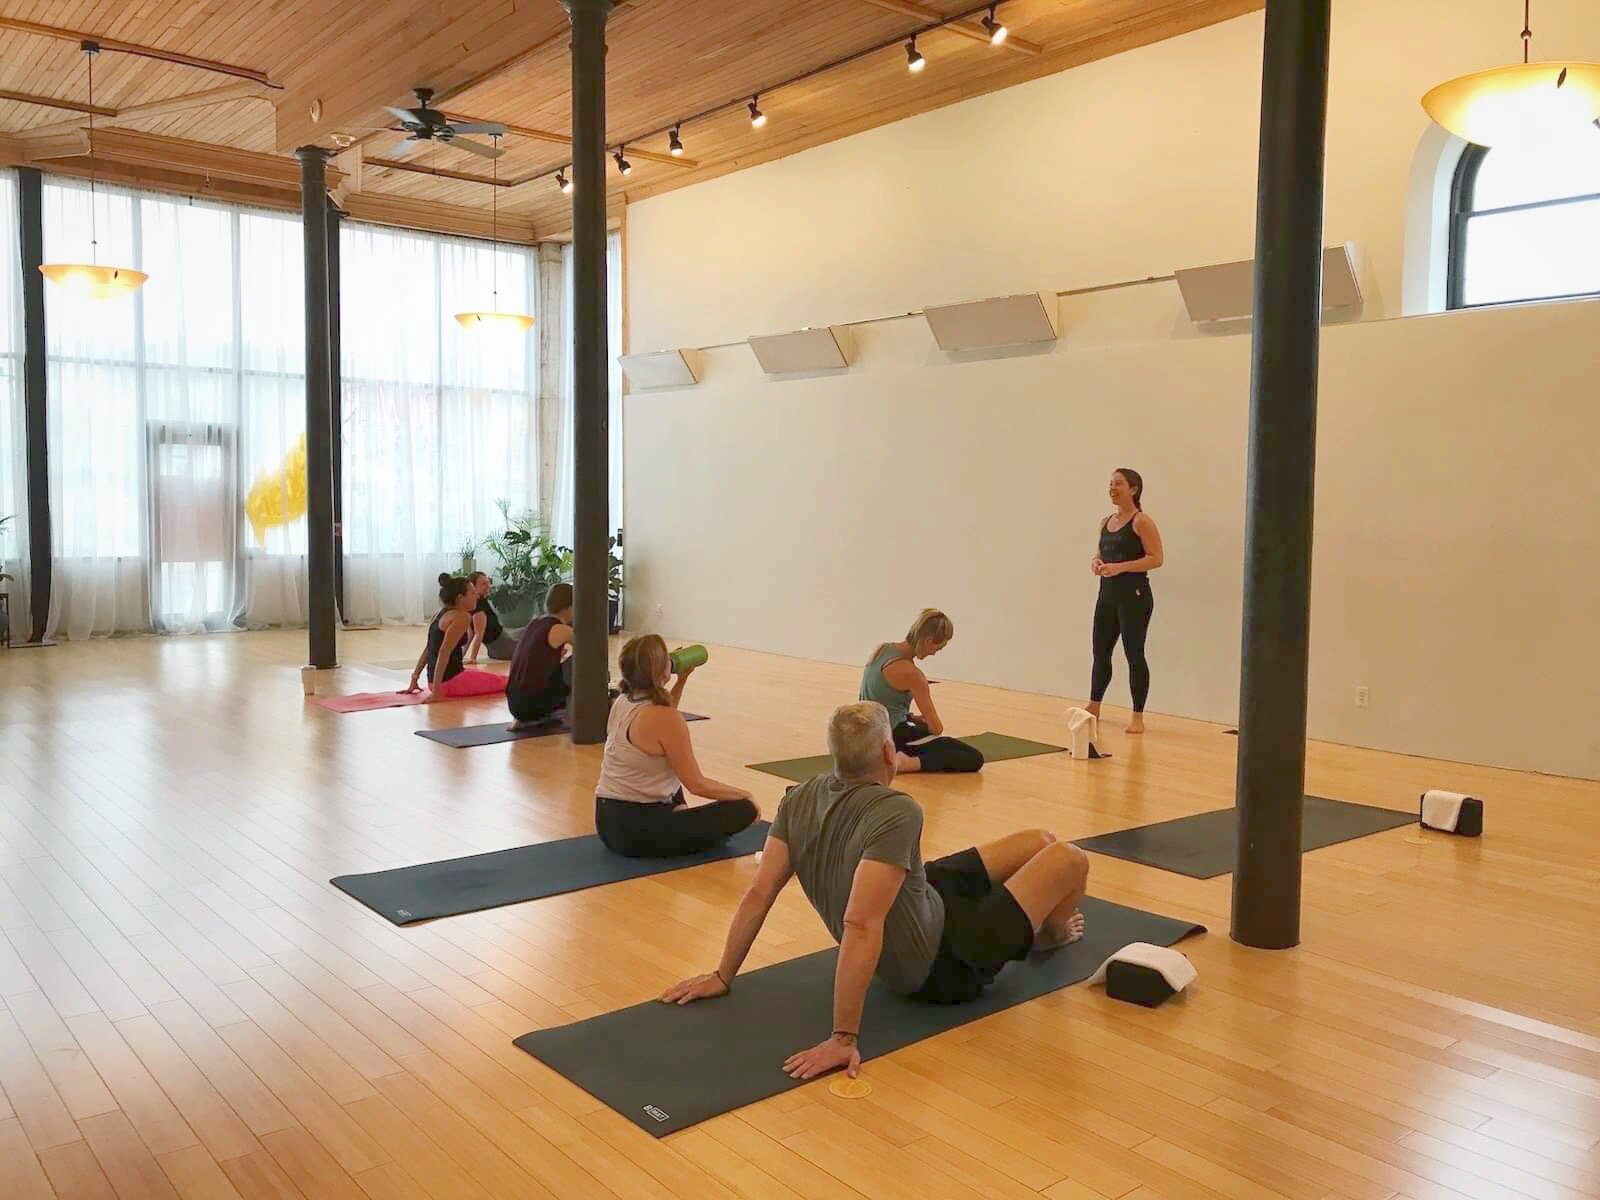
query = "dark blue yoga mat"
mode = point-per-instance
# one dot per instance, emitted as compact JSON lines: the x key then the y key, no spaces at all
{"x":453,"y":886}
{"x":666,"y":1067}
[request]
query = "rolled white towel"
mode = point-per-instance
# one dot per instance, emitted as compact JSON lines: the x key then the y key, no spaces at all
{"x":1173,"y":965}
{"x":1083,"y":734}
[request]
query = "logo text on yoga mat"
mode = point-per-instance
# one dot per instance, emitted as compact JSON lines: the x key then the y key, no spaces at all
{"x":655,"y":1112}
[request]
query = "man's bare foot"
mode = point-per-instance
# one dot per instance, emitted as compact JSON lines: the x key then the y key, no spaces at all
{"x":906,"y":764}
{"x":1137,"y":724}
{"x":1049,"y":938}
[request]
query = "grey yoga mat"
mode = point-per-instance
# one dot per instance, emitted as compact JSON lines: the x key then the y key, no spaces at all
{"x":995,"y":747}
{"x":666,"y":1067}
{"x":407,"y":895}
{"x":1204,"y":845}
{"x":461,"y":737}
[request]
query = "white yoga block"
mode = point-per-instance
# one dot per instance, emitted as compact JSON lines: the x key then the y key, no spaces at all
{"x":1003,"y":321}
{"x":1226,"y":291}
{"x":662,"y":369}
{"x":823,"y":349}
{"x":1143,"y":974}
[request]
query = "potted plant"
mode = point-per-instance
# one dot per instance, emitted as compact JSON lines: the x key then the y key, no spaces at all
{"x":529,"y":562}
{"x":469,"y":556}
{"x":614,"y":584}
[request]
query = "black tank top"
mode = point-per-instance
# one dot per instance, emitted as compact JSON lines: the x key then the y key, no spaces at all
{"x":534,"y":662}
{"x":492,"y":628}
{"x":435,"y":643}
{"x":1121,"y":546}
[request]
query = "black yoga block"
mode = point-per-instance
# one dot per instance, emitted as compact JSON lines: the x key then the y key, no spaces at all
{"x":1469,"y":822}
{"x":1137,"y":984}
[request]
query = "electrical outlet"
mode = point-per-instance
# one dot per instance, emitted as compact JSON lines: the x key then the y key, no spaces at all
{"x":1363,"y":697}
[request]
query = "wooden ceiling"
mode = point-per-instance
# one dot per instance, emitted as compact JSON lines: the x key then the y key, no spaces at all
{"x":329,"y":67}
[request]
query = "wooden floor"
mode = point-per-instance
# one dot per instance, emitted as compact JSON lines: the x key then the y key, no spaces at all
{"x":190,"y":1009}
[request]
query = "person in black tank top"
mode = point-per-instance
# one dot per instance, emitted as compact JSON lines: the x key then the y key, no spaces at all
{"x":448,"y":677}
{"x":1130,"y":548}
{"x":488,"y":632}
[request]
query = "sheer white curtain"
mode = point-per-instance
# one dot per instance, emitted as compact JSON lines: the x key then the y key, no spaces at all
{"x":163,"y":406}
{"x":439,"y":422}
{"x":13,"y":455}
{"x":562,"y":514}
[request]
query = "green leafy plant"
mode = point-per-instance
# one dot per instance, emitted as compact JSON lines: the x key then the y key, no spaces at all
{"x":614,"y":584}
{"x":529,"y":562}
{"x":469,"y":552}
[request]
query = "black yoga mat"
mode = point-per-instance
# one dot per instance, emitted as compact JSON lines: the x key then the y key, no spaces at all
{"x":407,"y":895}
{"x":666,"y":1067}
{"x":1203,"y":846}
{"x":463,"y":736}
{"x":995,"y":747}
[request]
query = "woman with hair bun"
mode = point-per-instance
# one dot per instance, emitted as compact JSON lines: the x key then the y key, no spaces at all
{"x":894,"y":680}
{"x":448,"y":632}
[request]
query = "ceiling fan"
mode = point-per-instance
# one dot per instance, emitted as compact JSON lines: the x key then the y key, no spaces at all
{"x":425,"y":124}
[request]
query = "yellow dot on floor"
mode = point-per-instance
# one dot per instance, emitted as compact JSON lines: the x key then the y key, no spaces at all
{"x":849,"y":1089}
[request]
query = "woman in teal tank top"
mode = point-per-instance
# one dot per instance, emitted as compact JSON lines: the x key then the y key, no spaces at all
{"x":894,"y":680}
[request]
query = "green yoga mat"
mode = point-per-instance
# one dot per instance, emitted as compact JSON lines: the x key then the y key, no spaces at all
{"x":995,"y":747}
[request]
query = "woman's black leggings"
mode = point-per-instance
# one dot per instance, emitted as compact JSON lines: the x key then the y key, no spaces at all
{"x":936,"y":754}
{"x":669,"y":830}
{"x":1123,"y":610}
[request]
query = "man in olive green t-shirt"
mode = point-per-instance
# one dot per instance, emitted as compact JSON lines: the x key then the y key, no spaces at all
{"x":939,"y":932}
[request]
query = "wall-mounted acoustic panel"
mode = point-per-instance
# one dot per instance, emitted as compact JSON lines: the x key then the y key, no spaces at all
{"x":803,"y":350}
{"x":662,"y":369}
{"x":1226,"y":292}
{"x":1004,"y":321}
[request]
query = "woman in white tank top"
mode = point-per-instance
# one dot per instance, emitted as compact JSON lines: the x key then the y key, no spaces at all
{"x":639,"y":809}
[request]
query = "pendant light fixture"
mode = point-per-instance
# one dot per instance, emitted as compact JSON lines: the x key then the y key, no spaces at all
{"x":91,"y":279}
{"x":1525,"y":103}
{"x":495,"y":319}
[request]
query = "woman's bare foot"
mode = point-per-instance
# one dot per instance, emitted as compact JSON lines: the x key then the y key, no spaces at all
{"x":1051,"y":938}
{"x":1137,"y":724}
{"x":906,"y":764}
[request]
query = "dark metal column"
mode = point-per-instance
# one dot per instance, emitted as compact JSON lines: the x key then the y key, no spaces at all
{"x":36,"y":431}
{"x":336,"y":408}
{"x":591,"y":373}
{"x":321,"y":615}
{"x":1283,"y":450}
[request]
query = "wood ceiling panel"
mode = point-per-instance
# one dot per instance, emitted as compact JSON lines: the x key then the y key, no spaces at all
{"x":507,"y":60}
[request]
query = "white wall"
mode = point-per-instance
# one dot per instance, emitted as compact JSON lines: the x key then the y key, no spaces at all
{"x":1456,"y":498}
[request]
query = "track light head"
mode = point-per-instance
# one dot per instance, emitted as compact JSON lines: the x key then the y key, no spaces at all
{"x":996,"y":31}
{"x":563,"y":182}
{"x":757,"y":117}
{"x":914,"y":60}
{"x":675,"y":142}
{"x":623,"y":165}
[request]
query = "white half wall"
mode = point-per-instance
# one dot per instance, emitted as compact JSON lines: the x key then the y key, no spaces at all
{"x":1457,"y":500}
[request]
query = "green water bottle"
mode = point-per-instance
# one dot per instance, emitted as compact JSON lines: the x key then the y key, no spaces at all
{"x":688,"y":657}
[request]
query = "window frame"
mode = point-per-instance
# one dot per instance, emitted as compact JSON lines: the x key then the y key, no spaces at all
{"x":1462,"y":187}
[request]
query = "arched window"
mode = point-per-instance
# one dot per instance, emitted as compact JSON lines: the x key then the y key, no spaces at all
{"x":1525,"y":225}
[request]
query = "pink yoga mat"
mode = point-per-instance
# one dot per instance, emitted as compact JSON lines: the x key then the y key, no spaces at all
{"x":367,"y":701}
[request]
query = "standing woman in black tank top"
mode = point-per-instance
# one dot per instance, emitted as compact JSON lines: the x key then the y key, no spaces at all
{"x":1130,"y":548}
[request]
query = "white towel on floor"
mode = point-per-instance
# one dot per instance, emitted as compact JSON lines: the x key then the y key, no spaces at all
{"x":1083,"y":731}
{"x":1442,"y":810}
{"x":1174,"y":965}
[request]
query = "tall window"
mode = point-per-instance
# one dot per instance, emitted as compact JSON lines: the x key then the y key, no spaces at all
{"x":1525,"y":225}
{"x":13,"y":466}
{"x":164,"y":406}
{"x":440,"y":422}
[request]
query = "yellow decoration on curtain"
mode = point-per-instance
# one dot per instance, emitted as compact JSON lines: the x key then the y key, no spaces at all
{"x":280,"y":497}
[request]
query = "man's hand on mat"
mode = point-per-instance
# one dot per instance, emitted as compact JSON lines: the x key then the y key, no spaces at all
{"x":824,"y":1057}
{"x":701,"y":987}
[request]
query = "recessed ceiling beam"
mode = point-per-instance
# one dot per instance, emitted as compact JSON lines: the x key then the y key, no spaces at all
{"x":77,"y":106}
{"x":105,"y":43}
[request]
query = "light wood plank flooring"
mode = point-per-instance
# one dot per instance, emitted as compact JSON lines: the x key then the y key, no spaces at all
{"x":187,"y":1008}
